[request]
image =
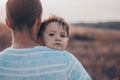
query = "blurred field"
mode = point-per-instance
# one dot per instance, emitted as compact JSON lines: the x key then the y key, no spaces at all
{"x":5,"y":37}
{"x":97,"y":49}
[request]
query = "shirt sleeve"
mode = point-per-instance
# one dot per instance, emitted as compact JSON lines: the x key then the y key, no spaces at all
{"x":75,"y":70}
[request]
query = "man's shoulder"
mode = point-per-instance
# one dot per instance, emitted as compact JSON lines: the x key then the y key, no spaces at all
{"x":50,"y":50}
{"x":44,"y":49}
{"x":4,"y":51}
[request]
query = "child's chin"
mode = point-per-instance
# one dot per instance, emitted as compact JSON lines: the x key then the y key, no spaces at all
{"x":58,"y":48}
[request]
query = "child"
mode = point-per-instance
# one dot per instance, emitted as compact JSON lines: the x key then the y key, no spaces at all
{"x":54,"y":33}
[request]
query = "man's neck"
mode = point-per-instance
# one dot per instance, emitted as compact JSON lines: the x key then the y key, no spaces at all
{"x":23,"y":45}
{"x":23,"y":40}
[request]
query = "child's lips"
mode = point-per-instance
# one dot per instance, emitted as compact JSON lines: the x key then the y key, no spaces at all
{"x":58,"y":44}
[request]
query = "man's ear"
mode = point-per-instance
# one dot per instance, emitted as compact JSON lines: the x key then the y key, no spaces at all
{"x":8,"y":23}
{"x":39,"y":20}
{"x":38,"y":23}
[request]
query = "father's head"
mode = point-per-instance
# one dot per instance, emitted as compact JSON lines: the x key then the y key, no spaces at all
{"x":22,"y":13}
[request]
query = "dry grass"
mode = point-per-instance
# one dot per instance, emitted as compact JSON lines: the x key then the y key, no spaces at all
{"x":5,"y":37}
{"x":100,"y":56}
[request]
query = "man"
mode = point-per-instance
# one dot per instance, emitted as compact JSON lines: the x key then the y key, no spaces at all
{"x":24,"y":60}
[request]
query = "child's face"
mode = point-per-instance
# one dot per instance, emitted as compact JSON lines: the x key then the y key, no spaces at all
{"x":55,"y":37}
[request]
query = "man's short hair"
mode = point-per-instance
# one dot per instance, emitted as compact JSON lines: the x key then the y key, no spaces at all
{"x":53,"y":18}
{"x":23,"y":13}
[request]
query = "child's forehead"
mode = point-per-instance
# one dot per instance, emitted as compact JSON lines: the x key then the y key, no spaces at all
{"x":56,"y":25}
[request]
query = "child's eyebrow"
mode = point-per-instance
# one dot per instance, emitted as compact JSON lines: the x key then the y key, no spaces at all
{"x":62,"y":32}
{"x":53,"y":31}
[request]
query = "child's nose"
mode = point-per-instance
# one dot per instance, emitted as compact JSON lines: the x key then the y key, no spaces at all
{"x":58,"y":38}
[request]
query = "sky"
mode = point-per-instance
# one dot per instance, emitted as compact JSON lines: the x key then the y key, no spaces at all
{"x":77,"y":10}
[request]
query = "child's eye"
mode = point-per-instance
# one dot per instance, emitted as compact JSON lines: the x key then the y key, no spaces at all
{"x":51,"y":34}
{"x":63,"y":36}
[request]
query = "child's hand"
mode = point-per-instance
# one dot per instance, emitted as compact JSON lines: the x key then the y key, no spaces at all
{"x":40,"y":42}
